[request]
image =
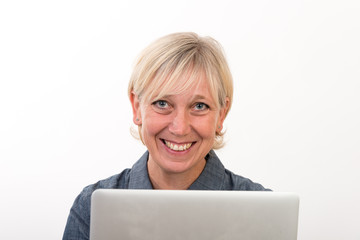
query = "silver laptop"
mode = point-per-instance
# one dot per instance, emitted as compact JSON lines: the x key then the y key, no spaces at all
{"x":198,"y":215}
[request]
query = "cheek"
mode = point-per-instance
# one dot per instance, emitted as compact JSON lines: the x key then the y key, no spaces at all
{"x":152,"y":125}
{"x":206,"y":128}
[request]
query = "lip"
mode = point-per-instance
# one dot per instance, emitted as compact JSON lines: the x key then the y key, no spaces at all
{"x":176,"y":147}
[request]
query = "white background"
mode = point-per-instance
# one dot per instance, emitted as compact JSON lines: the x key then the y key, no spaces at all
{"x":65,"y":116}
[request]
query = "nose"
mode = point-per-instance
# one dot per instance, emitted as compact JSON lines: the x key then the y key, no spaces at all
{"x":180,"y":123}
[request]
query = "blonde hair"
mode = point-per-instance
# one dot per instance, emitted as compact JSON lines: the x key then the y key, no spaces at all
{"x":182,"y":56}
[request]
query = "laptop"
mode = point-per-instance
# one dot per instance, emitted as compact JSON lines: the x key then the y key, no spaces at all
{"x":198,"y":215}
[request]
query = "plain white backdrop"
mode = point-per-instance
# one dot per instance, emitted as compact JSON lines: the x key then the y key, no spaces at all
{"x":65,"y":115}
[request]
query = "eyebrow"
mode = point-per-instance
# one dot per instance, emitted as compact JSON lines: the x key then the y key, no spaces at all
{"x":193,"y":98}
{"x":197,"y":96}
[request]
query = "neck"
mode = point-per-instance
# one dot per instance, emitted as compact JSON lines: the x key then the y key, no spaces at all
{"x":161,"y":179}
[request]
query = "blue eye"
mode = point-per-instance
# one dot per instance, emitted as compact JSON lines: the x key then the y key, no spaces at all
{"x":161,"y":104}
{"x":201,"y":106}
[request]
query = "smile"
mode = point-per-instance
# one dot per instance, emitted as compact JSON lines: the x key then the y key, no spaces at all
{"x":177,"y":147}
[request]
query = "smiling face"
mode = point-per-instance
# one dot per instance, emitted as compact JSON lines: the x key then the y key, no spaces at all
{"x":179,"y":130}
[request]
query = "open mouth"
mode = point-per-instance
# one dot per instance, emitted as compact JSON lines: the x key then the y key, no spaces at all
{"x":177,"y":147}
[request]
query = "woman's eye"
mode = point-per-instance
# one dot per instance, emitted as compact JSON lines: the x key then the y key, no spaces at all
{"x":201,"y":106}
{"x":161,"y":104}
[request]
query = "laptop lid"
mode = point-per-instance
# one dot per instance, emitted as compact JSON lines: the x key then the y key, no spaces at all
{"x":164,"y":215}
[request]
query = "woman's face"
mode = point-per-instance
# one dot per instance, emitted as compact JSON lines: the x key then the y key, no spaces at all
{"x":179,"y":130}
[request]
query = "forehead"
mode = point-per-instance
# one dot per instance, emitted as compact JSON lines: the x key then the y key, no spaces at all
{"x":188,"y":84}
{"x":198,"y":91}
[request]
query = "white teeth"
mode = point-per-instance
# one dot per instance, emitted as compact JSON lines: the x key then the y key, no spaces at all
{"x":176,"y":147}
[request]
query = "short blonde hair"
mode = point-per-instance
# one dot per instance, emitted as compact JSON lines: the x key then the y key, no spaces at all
{"x":161,"y":65}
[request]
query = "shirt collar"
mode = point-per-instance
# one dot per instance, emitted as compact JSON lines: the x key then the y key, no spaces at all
{"x":139,"y":177}
{"x":211,"y":178}
{"x":213,"y":175}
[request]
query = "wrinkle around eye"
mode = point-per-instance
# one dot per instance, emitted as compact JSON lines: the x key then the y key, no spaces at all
{"x":161,"y":103}
{"x":161,"y":106}
{"x":200,"y":112}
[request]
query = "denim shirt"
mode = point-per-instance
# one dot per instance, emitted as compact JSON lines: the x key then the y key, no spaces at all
{"x":213,"y":177}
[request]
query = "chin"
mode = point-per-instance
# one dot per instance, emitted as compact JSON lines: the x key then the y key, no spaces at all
{"x":176,"y":167}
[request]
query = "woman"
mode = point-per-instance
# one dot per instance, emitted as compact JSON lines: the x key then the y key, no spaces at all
{"x":180,"y":91}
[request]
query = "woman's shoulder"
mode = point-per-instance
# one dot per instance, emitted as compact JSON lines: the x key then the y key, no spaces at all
{"x":117,"y":181}
{"x":79,"y":218}
{"x":230,"y":180}
{"x":240,"y":183}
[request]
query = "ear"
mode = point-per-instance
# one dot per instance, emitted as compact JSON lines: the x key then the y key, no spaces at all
{"x":222,"y":115}
{"x":135,"y":103}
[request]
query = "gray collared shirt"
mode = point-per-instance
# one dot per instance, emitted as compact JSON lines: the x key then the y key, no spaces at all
{"x":213,"y":177}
